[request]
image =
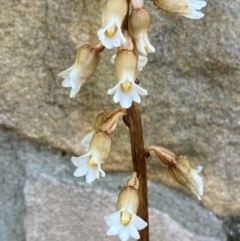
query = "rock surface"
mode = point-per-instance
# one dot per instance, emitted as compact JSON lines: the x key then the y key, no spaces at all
{"x":40,"y":191}
{"x":192,"y":80}
{"x":55,"y":211}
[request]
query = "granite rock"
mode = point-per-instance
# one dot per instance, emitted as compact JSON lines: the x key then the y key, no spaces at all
{"x":192,"y":80}
{"x":41,"y":200}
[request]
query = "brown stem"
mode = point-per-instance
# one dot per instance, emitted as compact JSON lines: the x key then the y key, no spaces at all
{"x":139,"y":163}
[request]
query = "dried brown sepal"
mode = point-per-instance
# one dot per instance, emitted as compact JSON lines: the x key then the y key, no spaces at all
{"x":97,"y":46}
{"x":107,"y":121}
{"x":180,"y":170}
{"x":132,"y":181}
{"x":129,"y":44}
{"x":112,"y":120}
{"x":166,"y":156}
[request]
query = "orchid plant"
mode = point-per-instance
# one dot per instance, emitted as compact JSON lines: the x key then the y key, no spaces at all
{"x":125,"y":25}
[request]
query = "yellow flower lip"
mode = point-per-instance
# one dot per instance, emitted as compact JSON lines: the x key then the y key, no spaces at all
{"x":125,"y":217}
{"x":126,"y":86}
{"x":91,"y":163}
{"x":111,"y":31}
{"x":125,"y":221}
{"x":147,"y":48}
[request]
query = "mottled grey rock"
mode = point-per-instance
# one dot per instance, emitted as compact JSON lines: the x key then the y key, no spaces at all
{"x":55,"y":211}
{"x":53,"y":197}
{"x":192,"y":80}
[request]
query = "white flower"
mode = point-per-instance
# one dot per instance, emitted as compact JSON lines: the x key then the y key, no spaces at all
{"x":85,"y":64}
{"x":90,"y":163}
{"x":130,"y":229}
{"x":143,"y":45}
{"x":139,"y":22}
{"x":89,"y":166}
{"x":113,"y":14}
{"x":125,"y":69}
{"x":195,"y":182}
{"x":125,"y":92}
{"x":186,"y":8}
{"x":142,"y":61}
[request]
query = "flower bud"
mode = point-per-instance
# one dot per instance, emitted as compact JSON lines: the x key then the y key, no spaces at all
{"x":138,"y":24}
{"x":184,"y":174}
{"x":186,"y":8}
{"x":180,"y":169}
{"x":113,"y":14}
{"x":85,"y":64}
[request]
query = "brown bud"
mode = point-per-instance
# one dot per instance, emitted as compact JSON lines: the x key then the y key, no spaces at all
{"x":166,"y":156}
{"x":133,"y":181}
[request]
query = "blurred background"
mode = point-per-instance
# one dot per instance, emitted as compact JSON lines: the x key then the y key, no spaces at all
{"x":193,"y":108}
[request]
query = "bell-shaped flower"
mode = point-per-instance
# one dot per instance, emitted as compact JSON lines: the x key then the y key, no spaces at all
{"x":113,"y":14}
{"x":142,"y":61}
{"x":126,"y":91}
{"x":125,"y":222}
{"x":186,"y":8}
{"x":85,"y":64}
{"x":125,"y":230}
{"x":138,"y":25}
{"x":90,"y":164}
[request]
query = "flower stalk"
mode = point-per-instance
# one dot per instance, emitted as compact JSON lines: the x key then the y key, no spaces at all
{"x":134,"y":123}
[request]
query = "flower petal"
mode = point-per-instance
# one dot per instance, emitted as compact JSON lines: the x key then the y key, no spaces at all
{"x":113,"y":58}
{"x":87,"y":139}
{"x":136,"y":97}
{"x":116,"y":97}
{"x":113,"y":219}
{"x":139,"y":89}
{"x":114,"y":89}
{"x":124,"y":233}
{"x":80,"y":171}
{"x":80,"y":161}
{"x":137,"y":222}
{"x":113,"y":230}
{"x":126,"y":99}
{"x":73,"y":92}
{"x":92,"y":174}
{"x":66,"y":83}
{"x":142,"y":61}
{"x":133,"y":232}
